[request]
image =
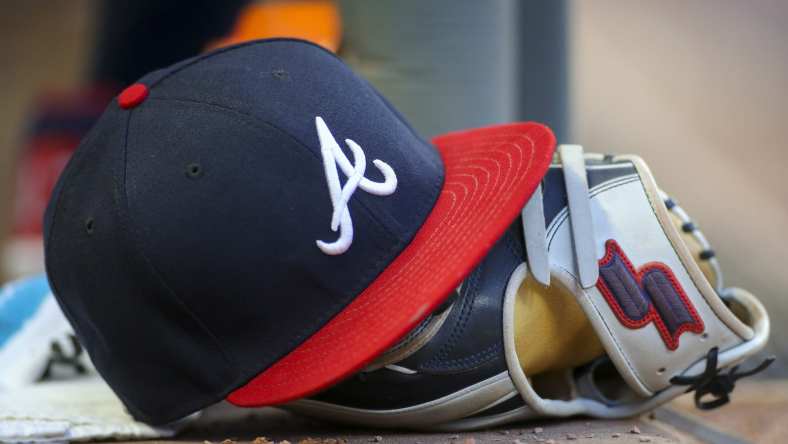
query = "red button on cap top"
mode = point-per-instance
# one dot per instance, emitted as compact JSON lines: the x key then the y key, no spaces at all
{"x":132,"y":96}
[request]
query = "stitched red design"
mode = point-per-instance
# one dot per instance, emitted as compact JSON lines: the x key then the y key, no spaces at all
{"x":679,"y":304}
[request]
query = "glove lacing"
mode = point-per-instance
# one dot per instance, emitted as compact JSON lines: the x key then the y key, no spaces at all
{"x":715,"y":383}
{"x":712,"y":381}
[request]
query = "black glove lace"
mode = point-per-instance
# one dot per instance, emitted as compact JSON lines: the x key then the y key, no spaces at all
{"x":712,"y":382}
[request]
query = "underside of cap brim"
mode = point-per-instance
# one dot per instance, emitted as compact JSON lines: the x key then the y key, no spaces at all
{"x":489,"y":175}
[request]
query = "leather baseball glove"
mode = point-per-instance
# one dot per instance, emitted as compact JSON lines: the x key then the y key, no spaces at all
{"x":604,"y":300}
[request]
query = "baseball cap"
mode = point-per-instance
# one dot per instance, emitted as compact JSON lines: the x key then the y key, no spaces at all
{"x":211,"y":239}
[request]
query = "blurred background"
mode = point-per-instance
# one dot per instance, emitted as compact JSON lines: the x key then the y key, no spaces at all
{"x":696,"y":88}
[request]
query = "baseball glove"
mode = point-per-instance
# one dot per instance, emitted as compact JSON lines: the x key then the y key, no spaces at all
{"x":604,"y":299}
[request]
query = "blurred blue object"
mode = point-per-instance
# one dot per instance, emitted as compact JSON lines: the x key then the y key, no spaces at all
{"x":19,"y":302}
{"x":36,"y":340}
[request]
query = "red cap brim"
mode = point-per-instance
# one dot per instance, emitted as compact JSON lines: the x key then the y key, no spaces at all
{"x":489,"y":175}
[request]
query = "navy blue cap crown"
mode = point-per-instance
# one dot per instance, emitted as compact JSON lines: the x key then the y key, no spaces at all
{"x":198,"y":236}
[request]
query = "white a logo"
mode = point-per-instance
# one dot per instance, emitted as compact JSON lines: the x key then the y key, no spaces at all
{"x":340,"y":195}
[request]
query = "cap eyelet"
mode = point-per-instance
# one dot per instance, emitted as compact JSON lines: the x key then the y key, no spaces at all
{"x":90,"y":225}
{"x":280,"y":74}
{"x":194,"y":170}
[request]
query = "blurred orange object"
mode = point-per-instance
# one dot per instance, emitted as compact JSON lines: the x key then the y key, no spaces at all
{"x":315,"y":20}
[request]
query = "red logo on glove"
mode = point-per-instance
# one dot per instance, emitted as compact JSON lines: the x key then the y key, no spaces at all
{"x":650,"y":294}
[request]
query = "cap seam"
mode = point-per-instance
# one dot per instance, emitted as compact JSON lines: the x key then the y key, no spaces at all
{"x":67,"y":173}
{"x":73,"y":164}
{"x":131,"y":229}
